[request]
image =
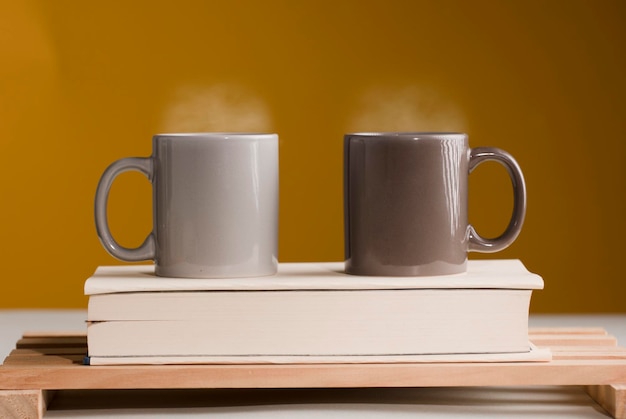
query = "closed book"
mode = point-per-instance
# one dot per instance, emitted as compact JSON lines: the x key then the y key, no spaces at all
{"x":308,"y":311}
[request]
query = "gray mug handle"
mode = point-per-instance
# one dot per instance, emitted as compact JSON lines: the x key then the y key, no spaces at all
{"x":147,"y":250}
{"x":477,"y":243}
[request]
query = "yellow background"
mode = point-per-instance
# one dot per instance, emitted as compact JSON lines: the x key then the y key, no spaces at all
{"x":85,"y":83}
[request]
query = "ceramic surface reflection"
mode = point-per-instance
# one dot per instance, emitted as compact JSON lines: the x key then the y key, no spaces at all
{"x":405,"y":203}
{"x":215,"y":205}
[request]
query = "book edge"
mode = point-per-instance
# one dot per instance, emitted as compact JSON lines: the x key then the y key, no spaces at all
{"x":323,"y":275}
{"x":534,"y":354}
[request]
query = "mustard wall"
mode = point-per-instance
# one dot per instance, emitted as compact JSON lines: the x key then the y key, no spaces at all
{"x":85,"y":83}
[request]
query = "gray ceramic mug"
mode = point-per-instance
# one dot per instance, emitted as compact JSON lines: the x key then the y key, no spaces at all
{"x":215,"y":205}
{"x":405,"y":203}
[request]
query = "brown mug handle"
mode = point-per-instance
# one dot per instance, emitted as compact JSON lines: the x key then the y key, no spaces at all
{"x":477,"y":243}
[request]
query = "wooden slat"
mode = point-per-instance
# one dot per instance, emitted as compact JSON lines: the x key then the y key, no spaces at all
{"x":39,"y":360}
{"x":52,"y":334}
{"x":611,"y":397}
{"x":566,"y":331}
{"x":585,"y":348}
{"x":20,"y":404}
{"x":573,"y":340}
{"x":568,"y":372}
{"x":581,"y":356}
{"x":52,"y":342}
{"x":563,"y":355}
{"x":49,"y":351}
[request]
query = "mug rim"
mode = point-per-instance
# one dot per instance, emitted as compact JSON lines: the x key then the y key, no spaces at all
{"x":407,"y":134}
{"x":216,"y":135}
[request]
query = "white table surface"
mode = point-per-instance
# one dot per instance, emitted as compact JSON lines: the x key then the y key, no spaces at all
{"x":482,"y":402}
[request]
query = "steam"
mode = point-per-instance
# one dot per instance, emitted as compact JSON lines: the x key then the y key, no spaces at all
{"x":216,"y":108}
{"x":408,"y":108}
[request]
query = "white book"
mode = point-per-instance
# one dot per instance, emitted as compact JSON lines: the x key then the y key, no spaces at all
{"x":308,"y":312}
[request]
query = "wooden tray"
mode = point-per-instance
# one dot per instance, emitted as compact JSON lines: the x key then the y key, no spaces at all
{"x":42,"y":363}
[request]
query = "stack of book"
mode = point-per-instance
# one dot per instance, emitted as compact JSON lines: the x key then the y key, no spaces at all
{"x":311,"y":313}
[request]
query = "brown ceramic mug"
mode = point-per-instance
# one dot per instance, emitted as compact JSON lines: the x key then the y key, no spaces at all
{"x":405,"y":203}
